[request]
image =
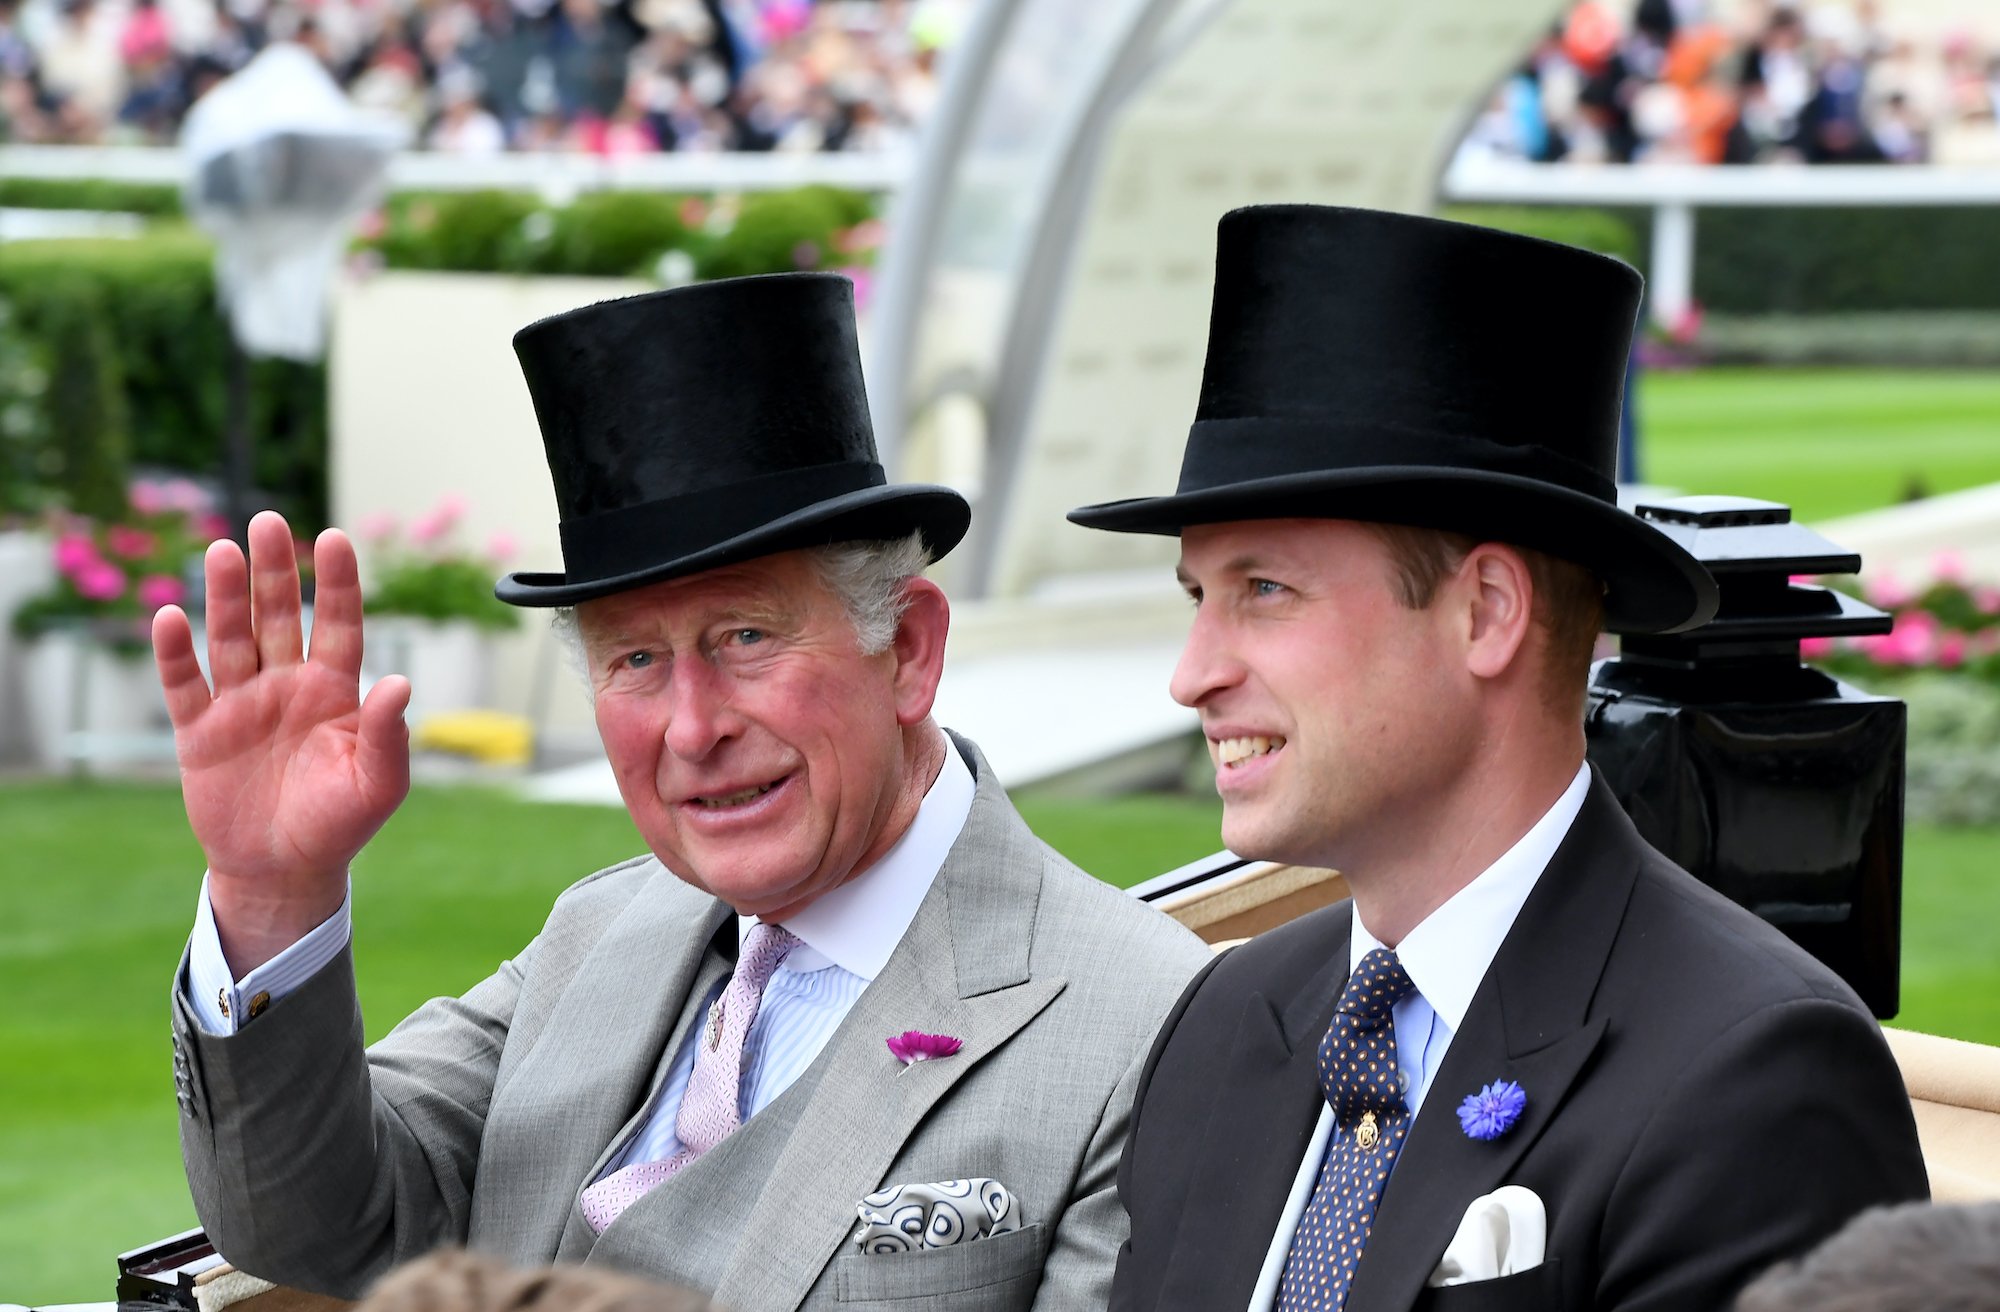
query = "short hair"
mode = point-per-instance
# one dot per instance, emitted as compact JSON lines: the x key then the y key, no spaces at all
{"x":453,"y":1280}
{"x":1568,"y":600}
{"x":1916,"y":1255}
{"x":867,"y":577}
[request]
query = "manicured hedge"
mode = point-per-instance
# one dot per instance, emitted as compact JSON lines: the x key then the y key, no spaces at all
{"x":155,"y":344}
{"x":1821,"y":261}
{"x":154,"y":199}
{"x":136,"y":347}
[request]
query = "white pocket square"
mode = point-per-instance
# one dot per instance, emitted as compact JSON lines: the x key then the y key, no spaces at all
{"x":901,"y":1217}
{"x":1503,"y":1232}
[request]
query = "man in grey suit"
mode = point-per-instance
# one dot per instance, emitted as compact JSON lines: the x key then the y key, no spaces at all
{"x":690,"y":1072}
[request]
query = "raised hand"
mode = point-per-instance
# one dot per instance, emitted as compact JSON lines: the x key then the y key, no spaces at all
{"x":285,"y":772}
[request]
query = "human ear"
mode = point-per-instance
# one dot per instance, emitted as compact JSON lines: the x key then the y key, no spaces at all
{"x":1499,"y":595}
{"x":919,"y":649}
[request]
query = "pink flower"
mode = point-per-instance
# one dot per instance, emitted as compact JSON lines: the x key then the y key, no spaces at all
{"x":694,"y":211}
{"x":501,"y":547}
{"x":182,"y":494}
{"x":376,"y":527}
{"x":130,"y":543}
{"x":1886,"y":592}
{"x":212,"y":526}
{"x":1951,"y":650}
{"x":148,"y":498}
{"x":157,"y":590}
{"x":1912,"y":641}
{"x":451,"y":507}
{"x":427,"y":529}
{"x":1987,"y":599}
{"x":1948,"y":566}
{"x":1814,"y":649}
{"x":75,"y":552}
{"x":805,"y":255}
{"x":913,"y":1046}
{"x":864,"y":284}
{"x":100,"y":581}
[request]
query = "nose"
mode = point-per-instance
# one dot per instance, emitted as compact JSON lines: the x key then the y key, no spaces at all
{"x":698,"y":714}
{"x":1207,"y":665}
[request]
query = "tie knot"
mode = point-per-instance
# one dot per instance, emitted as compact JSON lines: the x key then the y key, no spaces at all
{"x":763,"y":948}
{"x":1375,"y":987}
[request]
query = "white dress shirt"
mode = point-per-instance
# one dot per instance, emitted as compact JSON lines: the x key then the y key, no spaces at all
{"x":1446,"y":956}
{"x":846,"y":937}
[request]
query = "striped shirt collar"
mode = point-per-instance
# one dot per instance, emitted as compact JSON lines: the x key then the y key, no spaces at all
{"x":857,"y":925}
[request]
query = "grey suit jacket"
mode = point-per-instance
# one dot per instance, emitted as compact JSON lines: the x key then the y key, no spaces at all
{"x":480,"y":1119}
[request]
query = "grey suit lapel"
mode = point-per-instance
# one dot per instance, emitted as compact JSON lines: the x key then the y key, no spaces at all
{"x":616,"y":1021}
{"x":961,"y":969}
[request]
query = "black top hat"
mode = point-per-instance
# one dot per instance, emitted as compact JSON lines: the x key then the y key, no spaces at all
{"x":706,"y":425}
{"x":1404,"y":370}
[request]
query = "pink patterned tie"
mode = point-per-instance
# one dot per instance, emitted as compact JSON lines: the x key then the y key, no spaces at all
{"x":710,"y":1105}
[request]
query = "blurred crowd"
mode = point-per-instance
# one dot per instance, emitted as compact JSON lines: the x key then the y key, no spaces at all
{"x":612,"y":77}
{"x":1690,"y":81}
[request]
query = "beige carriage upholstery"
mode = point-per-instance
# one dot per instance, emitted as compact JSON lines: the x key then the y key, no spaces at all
{"x":1954,"y":1086}
{"x":1955,"y":1091}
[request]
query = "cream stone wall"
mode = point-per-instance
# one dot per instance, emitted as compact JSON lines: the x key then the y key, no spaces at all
{"x":427,"y":400}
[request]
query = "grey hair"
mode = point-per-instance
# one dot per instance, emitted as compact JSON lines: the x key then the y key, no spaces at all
{"x":867,"y":578}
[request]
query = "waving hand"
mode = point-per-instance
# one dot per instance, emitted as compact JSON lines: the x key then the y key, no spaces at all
{"x":285,"y":772}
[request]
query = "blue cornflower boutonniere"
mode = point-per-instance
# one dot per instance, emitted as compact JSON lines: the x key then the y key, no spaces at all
{"x":1492,"y":1111}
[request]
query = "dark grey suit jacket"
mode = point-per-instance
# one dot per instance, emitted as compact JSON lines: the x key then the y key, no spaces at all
{"x":481,"y":1118}
{"x":1703,"y":1100}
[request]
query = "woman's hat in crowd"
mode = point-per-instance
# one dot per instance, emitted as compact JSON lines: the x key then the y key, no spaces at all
{"x":1404,"y":370}
{"x":707,"y":425}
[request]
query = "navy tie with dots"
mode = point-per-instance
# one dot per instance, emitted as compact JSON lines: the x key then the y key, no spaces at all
{"x":1358,"y":1075}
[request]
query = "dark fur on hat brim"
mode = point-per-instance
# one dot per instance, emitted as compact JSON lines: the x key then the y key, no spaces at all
{"x":1652,"y":584}
{"x":871,"y":514}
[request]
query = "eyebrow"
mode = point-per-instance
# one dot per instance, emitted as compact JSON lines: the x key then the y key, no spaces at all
{"x":1247,"y":563}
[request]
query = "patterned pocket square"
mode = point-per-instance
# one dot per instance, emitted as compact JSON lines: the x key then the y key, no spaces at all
{"x":903,"y":1217}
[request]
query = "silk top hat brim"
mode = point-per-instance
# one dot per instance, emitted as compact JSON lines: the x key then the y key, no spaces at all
{"x":1394,"y":369}
{"x":670,"y":546}
{"x":708,"y":425}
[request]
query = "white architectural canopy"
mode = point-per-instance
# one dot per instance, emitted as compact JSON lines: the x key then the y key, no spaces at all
{"x":1039,"y":332}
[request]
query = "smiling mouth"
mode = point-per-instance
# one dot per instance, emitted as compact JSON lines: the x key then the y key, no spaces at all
{"x":1231,"y":752}
{"x":741,"y":797}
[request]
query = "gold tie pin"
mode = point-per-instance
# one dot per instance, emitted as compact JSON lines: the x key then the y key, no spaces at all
{"x":1365,"y":1134}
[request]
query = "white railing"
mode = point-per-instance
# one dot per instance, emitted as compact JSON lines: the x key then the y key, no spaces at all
{"x":553,"y":175}
{"x":1675,"y":191}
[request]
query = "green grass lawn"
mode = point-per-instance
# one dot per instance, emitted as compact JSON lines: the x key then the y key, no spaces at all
{"x":100,"y":890}
{"x":1827,"y":441}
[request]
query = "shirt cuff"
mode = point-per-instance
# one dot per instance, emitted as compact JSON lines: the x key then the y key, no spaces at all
{"x":221,"y":1004}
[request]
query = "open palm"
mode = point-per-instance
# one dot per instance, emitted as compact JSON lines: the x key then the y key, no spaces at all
{"x":285,"y":772}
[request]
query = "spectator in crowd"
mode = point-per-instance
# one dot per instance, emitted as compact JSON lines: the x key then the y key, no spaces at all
{"x":1940,"y":1259}
{"x":609,"y":76}
{"x":1670,"y":81}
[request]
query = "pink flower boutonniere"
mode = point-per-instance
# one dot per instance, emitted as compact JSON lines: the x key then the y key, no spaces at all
{"x":913,"y":1046}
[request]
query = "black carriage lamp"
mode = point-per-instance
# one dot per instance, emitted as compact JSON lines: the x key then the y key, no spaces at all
{"x":1774,"y":783}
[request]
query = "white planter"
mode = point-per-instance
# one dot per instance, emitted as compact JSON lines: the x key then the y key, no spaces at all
{"x":90,"y":705}
{"x":449,"y":666}
{"x":27,"y":567}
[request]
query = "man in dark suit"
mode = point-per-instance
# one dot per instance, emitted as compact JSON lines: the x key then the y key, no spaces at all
{"x":1532,"y":1064}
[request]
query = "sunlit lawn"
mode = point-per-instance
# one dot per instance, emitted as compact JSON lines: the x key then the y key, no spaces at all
{"x":1828,"y":441}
